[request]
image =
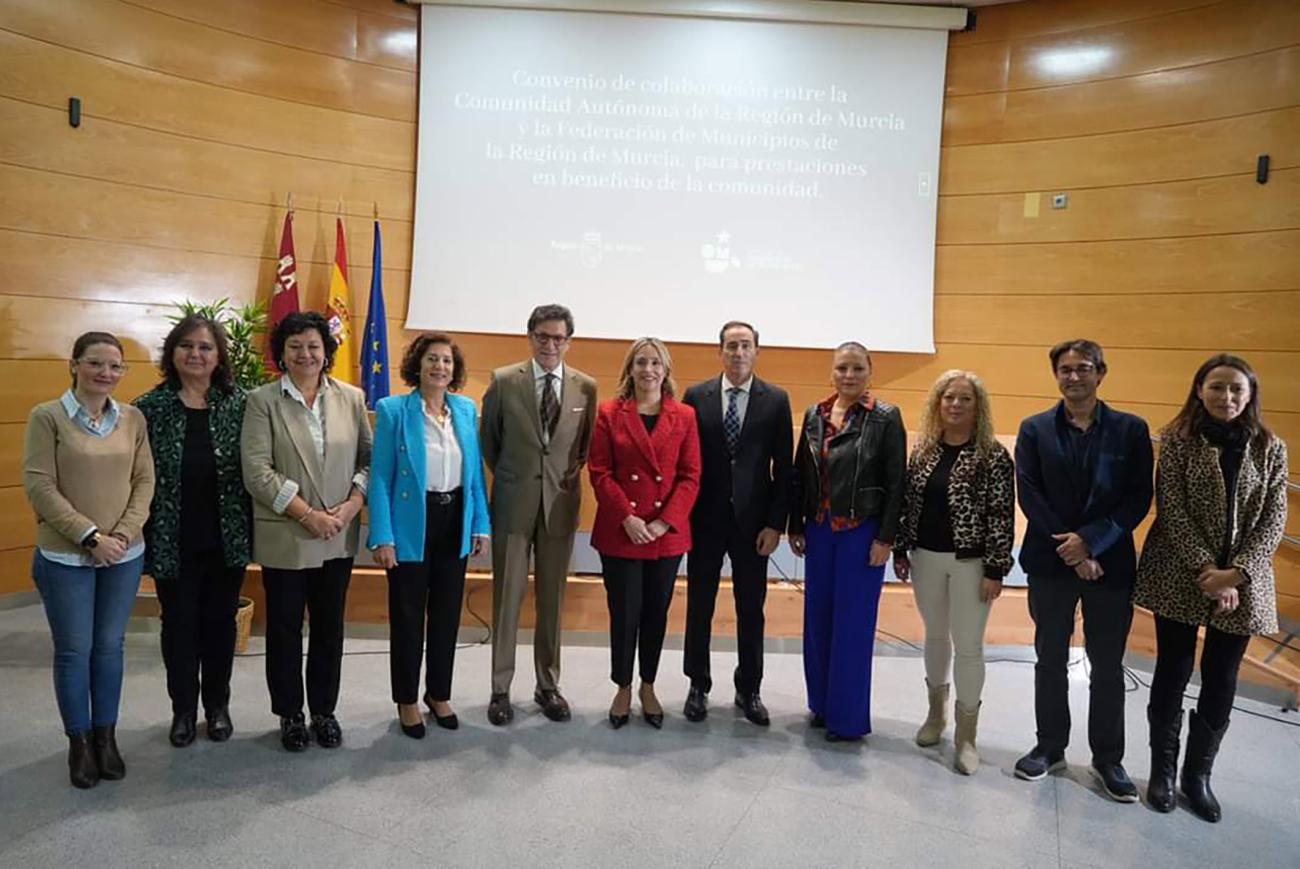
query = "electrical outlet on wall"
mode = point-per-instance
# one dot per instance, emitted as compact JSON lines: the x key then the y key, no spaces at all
{"x":1060,"y":200}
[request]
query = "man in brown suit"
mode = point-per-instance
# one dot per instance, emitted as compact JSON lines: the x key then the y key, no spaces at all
{"x":537,"y":422}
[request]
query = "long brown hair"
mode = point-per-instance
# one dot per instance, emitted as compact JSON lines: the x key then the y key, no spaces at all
{"x":1193,"y":417}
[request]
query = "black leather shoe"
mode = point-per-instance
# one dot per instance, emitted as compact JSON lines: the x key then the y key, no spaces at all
{"x":219,"y":725}
{"x":500,"y":712}
{"x":554,"y":706}
{"x":832,"y":736}
{"x":294,"y":735}
{"x":184,"y":730}
{"x":752,"y":706}
{"x":817,"y":722}
{"x":654,"y":719}
{"x":111,"y":765}
{"x":327,"y":731}
{"x":416,"y":730}
{"x":1115,"y":782}
{"x":83,"y":772}
{"x":446,"y":722}
{"x":617,"y":721}
{"x":1038,"y":763}
{"x":697,"y":704}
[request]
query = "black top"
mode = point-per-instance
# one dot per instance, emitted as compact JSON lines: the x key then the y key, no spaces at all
{"x":934,"y":528}
{"x":1231,"y":440}
{"x":1079,"y":450}
{"x":649,"y":419}
{"x":200,"y":519}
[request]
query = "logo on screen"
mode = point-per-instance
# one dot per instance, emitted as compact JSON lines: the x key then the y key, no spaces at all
{"x":591,"y":251}
{"x":717,"y":254}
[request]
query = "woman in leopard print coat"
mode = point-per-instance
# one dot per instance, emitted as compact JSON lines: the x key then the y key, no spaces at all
{"x":1221,"y":511}
{"x":954,"y":542}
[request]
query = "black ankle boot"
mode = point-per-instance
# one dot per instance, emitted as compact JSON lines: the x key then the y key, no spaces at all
{"x":1202,"y":747}
{"x":111,"y":765}
{"x":82,"y":770}
{"x":1162,"y":794}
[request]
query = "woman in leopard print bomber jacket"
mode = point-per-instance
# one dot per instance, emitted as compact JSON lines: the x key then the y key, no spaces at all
{"x":1209,"y":561}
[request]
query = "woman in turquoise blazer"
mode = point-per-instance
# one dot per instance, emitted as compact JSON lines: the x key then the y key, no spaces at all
{"x":428,"y":513}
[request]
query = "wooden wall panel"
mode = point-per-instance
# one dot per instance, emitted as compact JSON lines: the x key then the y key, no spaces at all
{"x":140,"y":37}
{"x":1197,"y":36}
{"x":1199,"y":150}
{"x":15,"y":570}
{"x":46,"y":74}
{"x":54,"y":204}
{"x":1204,"y":206}
{"x":31,"y":136}
{"x":1201,"y":264}
{"x":199,"y":117}
{"x":1254,"y":83}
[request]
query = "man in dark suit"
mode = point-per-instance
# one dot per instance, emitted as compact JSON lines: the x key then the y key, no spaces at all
{"x":1083,"y":475}
{"x":746,"y":437}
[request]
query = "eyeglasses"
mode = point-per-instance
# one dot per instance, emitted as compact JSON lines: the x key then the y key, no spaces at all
{"x":117,"y":369}
{"x":1065,"y":371}
{"x":545,"y":338}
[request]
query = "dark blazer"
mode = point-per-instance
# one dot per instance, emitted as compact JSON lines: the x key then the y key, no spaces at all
{"x":1106,"y":514}
{"x":652,"y":475}
{"x":754,"y":485}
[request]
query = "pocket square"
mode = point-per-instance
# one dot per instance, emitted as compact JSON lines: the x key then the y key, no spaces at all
{"x":579,"y":409}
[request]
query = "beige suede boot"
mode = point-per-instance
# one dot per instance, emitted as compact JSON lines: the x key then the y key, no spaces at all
{"x":967,"y":757}
{"x":937,"y":720}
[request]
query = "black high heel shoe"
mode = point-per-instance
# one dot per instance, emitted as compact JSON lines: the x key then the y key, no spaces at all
{"x":415,"y":731}
{"x":446,"y":722}
{"x":654,"y":719}
{"x":615,"y":719}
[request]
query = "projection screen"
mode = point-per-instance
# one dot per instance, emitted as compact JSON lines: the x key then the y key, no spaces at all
{"x":660,"y":175}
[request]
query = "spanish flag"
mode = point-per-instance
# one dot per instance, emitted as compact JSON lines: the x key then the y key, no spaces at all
{"x":339,"y":310}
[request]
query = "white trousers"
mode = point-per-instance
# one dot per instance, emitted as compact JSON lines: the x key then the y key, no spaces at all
{"x":948,"y":595}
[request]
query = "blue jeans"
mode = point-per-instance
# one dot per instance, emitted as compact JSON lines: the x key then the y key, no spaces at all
{"x":87,"y":608}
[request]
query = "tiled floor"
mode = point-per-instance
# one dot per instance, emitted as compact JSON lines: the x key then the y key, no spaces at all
{"x":721,"y":793}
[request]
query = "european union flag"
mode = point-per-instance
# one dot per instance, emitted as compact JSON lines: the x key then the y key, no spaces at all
{"x":374,"y":350}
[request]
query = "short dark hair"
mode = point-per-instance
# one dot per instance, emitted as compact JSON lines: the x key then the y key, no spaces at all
{"x":414,"y":354}
{"x":1192,"y":419}
{"x":295,"y":324}
{"x":90,"y":339}
{"x":736,"y":324}
{"x":1084,"y":347}
{"x":542,"y":313}
{"x":222,"y":378}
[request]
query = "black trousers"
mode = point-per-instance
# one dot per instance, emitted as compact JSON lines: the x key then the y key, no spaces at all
{"x":322,"y":592}
{"x":749,"y":588}
{"x":1107,"y":615}
{"x":424,"y":600}
{"x":1175,"y":657}
{"x":639,"y":592}
{"x":198,"y":631}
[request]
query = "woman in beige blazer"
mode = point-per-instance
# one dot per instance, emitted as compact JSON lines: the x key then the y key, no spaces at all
{"x":1220,"y":515}
{"x":306,"y":458}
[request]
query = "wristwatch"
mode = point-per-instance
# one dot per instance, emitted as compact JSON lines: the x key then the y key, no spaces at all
{"x":91,"y":540}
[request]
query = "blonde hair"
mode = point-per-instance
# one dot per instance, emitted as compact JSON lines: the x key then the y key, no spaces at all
{"x":626,"y":387}
{"x":931,"y":430}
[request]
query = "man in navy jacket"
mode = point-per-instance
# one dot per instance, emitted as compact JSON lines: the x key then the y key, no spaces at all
{"x":746,"y":440}
{"x":1084,"y":480}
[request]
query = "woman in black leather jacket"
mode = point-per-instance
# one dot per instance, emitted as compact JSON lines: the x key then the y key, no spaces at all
{"x":848,"y":493}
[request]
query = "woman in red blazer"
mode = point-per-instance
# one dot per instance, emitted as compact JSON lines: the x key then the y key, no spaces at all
{"x":645,"y":468}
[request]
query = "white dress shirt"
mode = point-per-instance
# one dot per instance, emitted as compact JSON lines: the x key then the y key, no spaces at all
{"x":442,"y":455}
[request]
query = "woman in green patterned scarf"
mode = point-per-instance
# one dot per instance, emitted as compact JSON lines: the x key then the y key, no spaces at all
{"x":199,"y":531}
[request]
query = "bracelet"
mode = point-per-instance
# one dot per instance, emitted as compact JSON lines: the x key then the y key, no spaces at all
{"x":302,"y":520}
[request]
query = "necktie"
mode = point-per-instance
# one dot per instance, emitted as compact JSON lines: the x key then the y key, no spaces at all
{"x":731,"y":421}
{"x":550,"y":406}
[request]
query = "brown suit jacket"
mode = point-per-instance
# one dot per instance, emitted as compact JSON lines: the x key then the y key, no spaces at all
{"x":276,"y":445}
{"x":528,"y":472}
